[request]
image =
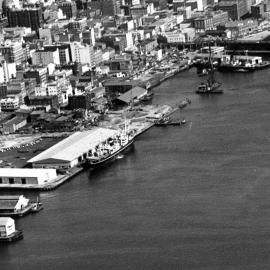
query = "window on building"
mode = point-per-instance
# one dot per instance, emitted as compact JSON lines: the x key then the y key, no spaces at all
{"x":11,"y":180}
{"x":23,"y":181}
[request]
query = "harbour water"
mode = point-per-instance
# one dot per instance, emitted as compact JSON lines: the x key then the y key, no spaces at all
{"x":192,"y":197}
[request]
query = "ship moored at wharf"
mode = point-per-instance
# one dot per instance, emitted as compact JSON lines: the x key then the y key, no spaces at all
{"x":109,"y":150}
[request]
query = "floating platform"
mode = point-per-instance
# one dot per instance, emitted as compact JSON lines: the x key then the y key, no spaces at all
{"x":19,"y":213}
{"x":17,"y":235}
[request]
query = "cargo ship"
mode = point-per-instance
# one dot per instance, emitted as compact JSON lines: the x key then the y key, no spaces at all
{"x":109,"y":151}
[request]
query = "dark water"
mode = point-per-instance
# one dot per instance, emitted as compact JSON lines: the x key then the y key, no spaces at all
{"x":195,"y":197}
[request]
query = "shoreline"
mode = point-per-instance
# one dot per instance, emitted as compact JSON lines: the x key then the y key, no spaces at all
{"x":165,"y":110}
{"x":62,"y":179}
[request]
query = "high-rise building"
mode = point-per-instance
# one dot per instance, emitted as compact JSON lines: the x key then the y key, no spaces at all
{"x":69,"y":8}
{"x":88,"y":36}
{"x":235,"y":8}
{"x":27,"y":17}
{"x":12,"y":51}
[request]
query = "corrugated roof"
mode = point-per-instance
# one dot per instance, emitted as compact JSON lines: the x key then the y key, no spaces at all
{"x":75,"y":145}
{"x":14,"y":121}
{"x":132,"y":94}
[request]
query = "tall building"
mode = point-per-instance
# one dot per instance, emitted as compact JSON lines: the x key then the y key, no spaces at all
{"x":69,"y":8}
{"x":12,"y":51}
{"x":46,"y":56}
{"x":83,"y":54}
{"x":88,"y":36}
{"x":27,"y":17}
{"x":235,"y":8}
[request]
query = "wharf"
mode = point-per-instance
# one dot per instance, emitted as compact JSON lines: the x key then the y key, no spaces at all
{"x":60,"y":180}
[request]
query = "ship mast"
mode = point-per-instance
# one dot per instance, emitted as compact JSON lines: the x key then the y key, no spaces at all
{"x":210,"y":79}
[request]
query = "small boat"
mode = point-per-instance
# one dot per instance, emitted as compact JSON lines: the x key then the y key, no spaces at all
{"x":183,"y":121}
{"x":163,"y":121}
{"x":209,"y":88}
{"x":172,"y":123}
{"x":120,"y":156}
{"x":184,"y":103}
{"x":202,"y":72}
{"x":36,"y":207}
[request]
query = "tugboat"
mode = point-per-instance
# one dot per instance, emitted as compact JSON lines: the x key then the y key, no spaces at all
{"x":211,"y":86}
{"x":36,"y":206}
{"x":110,"y":150}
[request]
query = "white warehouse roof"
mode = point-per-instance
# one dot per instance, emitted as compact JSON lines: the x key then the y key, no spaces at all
{"x":17,"y":172}
{"x":75,"y":145}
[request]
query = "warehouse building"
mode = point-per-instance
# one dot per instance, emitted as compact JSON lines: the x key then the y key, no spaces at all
{"x":15,"y":176}
{"x":73,"y":150}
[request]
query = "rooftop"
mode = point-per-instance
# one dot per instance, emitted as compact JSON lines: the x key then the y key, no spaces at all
{"x":75,"y":145}
{"x":14,"y":121}
{"x":18,"y":172}
{"x":132,"y":93}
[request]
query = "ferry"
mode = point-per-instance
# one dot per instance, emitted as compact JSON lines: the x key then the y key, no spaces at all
{"x":109,"y":151}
